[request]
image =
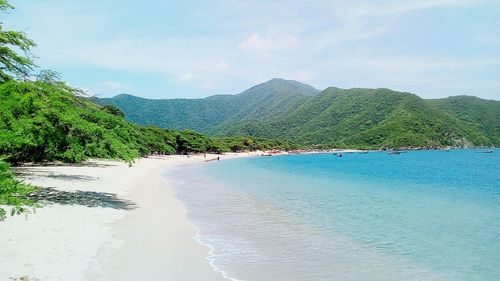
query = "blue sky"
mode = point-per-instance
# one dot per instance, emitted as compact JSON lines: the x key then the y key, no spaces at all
{"x":167,"y":49}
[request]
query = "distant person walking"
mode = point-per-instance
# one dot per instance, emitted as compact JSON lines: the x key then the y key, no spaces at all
{"x":218,"y":158}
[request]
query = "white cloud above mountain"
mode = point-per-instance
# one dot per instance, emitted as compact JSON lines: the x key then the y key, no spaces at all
{"x":205,"y":47}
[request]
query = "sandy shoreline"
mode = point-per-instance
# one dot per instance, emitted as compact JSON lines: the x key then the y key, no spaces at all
{"x":107,"y":221}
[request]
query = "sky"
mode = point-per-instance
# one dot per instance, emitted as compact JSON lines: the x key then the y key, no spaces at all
{"x":193,"y":49}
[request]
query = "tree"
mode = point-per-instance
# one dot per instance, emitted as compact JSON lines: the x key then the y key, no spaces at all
{"x":113,"y":110}
{"x":12,"y":63}
{"x":4,"y":5}
{"x":49,"y":76}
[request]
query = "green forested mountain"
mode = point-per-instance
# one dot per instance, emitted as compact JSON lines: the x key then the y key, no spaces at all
{"x":364,"y":118}
{"x":268,"y":100}
{"x":196,"y":114}
{"x":476,"y":112}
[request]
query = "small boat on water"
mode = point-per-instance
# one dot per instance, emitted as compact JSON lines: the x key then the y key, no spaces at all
{"x":269,"y":154}
{"x":339,"y":155}
{"x":486,"y":151}
{"x":363,"y":152}
{"x":394,"y":152}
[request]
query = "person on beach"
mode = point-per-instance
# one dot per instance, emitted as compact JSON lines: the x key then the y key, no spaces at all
{"x":218,"y":158}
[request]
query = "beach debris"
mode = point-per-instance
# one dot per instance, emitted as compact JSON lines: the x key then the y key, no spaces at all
{"x":25,"y":278}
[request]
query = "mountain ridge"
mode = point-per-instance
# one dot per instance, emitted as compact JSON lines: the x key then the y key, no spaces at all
{"x":360,"y":117}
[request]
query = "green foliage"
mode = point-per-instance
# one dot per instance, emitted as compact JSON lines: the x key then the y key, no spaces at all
{"x":179,"y":114}
{"x":191,"y":141}
{"x":153,"y":140}
{"x":43,"y":121}
{"x":49,"y":76}
{"x":478,"y":114}
{"x":13,"y":64}
{"x":13,"y":192}
{"x":360,"y":118}
{"x":113,"y":110}
{"x":4,"y":5}
{"x":267,"y":100}
{"x":239,"y":144}
{"x":378,"y":118}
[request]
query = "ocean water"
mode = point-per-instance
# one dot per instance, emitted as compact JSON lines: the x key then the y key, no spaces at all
{"x":423,"y":215}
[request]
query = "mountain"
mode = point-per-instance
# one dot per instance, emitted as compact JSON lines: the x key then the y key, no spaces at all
{"x":473,"y":111}
{"x":264,"y":101}
{"x":197,"y":114}
{"x":364,"y":118}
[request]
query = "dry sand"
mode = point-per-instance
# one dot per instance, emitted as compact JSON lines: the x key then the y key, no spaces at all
{"x":107,"y":221}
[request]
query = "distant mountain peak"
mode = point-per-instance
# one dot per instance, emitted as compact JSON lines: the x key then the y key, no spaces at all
{"x":124,"y":95}
{"x":283,"y":86}
{"x":282,"y":80}
{"x":278,"y":80}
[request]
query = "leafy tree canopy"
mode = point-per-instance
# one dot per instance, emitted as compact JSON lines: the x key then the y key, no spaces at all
{"x":15,"y":57}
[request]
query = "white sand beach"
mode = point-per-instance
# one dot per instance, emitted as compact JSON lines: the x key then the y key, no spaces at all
{"x":106,"y":221}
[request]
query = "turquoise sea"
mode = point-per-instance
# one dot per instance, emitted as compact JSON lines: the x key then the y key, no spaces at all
{"x":420,"y":215}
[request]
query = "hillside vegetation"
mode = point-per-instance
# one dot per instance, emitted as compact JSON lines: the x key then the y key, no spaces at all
{"x":476,"y":112}
{"x":265,"y":101}
{"x":356,"y":118}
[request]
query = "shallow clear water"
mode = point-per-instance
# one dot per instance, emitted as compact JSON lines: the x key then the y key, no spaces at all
{"x":426,"y":215}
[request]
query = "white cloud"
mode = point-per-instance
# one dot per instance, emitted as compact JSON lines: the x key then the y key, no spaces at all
{"x":185,"y":77}
{"x":423,"y":75}
{"x":222,"y":66}
{"x":357,"y":9}
{"x":303,"y":75}
{"x":207,"y":86}
{"x":266,"y":45}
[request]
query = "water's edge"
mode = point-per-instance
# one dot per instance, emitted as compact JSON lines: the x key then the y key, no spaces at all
{"x":197,"y":237}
